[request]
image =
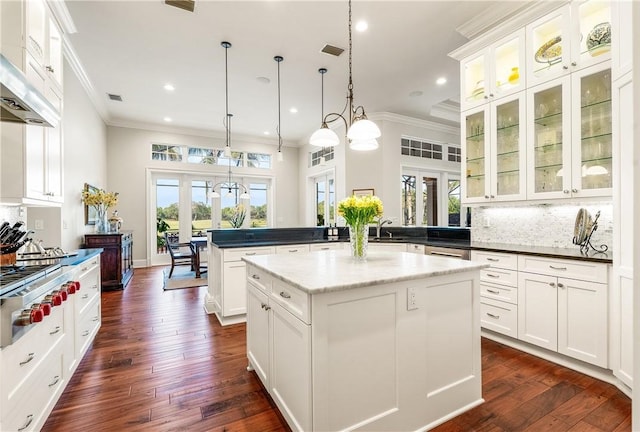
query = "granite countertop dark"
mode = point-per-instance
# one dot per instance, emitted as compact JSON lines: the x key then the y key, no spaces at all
{"x":546,"y":251}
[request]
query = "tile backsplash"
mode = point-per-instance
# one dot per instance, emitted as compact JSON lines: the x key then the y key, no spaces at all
{"x":539,"y":225}
{"x":12,"y":214}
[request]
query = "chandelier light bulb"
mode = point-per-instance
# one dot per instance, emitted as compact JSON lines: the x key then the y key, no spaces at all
{"x":324,"y":137}
{"x":364,"y":145}
{"x":363,"y":129}
{"x":280,"y":156}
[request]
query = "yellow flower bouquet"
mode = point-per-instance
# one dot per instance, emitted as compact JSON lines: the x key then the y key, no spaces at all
{"x":100,"y":200}
{"x":358,"y":212}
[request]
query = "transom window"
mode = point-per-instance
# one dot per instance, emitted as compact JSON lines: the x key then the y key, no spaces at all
{"x":209,"y":156}
{"x":166,"y":152}
{"x":454,"y":154}
{"x":315,"y":158}
{"x":422,"y":149}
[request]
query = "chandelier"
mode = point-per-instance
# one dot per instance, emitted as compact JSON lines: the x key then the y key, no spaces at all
{"x":228,"y":184}
{"x":361,"y":132}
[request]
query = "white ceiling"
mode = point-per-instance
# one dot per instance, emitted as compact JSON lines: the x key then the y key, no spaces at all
{"x":132,"y":48}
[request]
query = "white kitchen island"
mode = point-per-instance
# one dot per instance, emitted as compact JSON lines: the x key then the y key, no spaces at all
{"x":390,"y":344}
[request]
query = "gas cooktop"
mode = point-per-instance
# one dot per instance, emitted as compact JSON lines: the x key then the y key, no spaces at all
{"x":16,"y":276}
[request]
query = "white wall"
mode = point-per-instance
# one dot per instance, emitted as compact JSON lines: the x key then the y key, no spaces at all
{"x":129,"y":160}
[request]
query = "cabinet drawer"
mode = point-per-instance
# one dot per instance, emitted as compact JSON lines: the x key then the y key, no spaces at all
{"x":237,"y":254}
{"x":499,"y":316}
{"x":20,"y":359}
{"x":292,"y":248}
{"x":505,"y":293}
{"x":496,"y":259}
{"x":27,"y":409}
{"x":325,"y":246}
{"x":259,"y":279}
{"x":572,"y":269}
{"x":88,"y":266}
{"x":292,"y":299}
{"x":499,"y":276}
{"x":86,"y":328}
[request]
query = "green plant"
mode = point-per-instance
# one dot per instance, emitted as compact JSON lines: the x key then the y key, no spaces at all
{"x":162,"y":226}
{"x":237,"y":219}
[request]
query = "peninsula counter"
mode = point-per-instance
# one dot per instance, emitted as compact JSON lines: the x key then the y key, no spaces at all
{"x":392,"y":343}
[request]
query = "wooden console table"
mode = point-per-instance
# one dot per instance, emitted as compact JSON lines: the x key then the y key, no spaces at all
{"x":116,"y":267}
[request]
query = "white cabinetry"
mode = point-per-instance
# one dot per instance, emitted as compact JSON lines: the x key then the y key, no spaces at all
{"x":88,"y":316}
{"x":387,"y":247}
{"x":297,"y":248}
{"x":562,"y":306}
{"x":313,"y":247}
{"x":498,"y":292}
{"x":227,"y":296}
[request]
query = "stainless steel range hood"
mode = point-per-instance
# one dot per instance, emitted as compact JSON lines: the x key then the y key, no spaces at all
{"x":20,"y":101}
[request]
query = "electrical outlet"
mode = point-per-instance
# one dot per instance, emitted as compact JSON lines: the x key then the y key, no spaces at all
{"x":411,"y":299}
{"x":38,"y":224}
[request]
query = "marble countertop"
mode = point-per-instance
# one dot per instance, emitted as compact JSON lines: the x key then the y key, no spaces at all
{"x":325,"y":271}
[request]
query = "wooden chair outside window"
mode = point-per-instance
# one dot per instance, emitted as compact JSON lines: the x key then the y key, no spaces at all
{"x":181,"y":253}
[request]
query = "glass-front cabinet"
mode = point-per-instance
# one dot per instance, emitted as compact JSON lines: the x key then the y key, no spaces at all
{"x":492,"y":151}
{"x":570,"y":132}
{"x":494,"y":72}
{"x":573,"y":37}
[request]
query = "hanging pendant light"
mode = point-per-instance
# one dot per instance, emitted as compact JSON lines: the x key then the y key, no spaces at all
{"x":361,"y":132}
{"x":228,"y":185}
{"x":323,"y":137}
{"x":280,"y":156}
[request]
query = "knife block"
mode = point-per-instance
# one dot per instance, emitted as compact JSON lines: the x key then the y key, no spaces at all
{"x":8,"y":259}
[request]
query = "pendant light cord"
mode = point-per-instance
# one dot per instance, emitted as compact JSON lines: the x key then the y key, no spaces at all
{"x":350,"y":88}
{"x":279,"y":59}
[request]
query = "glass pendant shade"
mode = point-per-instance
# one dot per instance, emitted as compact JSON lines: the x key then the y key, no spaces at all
{"x":363,"y":130}
{"x":364,"y":145}
{"x":227,"y":151}
{"x":214,"y":194}
{"x":245,"y":196}
{"x":280,"y":156}
{"x":324,"y":137}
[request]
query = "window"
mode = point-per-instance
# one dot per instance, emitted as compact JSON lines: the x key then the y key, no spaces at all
{"x":315,"y":158}
{"x":325,"y":200}
{"x":259,"y":160}
{"x":454,"y":154}
{"x":166,"y":152}
{"x":408,"y":185}
{"x":236,"y":159}
{"x":412,"y":147}
{"x":200,"y":207}
{"x":202,"y":155}
{"x":258,"y":193}
{"x":430,"y":198}
{"x":454,"y":203}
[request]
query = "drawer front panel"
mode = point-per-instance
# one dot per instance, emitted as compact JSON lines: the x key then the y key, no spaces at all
{"x":237,"y":254}
{"x":89,"y":289}
{"x":259,"y":279}
{"x":325,"y":246}
{"x":292,"y":299}
{"x":499,"y":292}
{"x":499,"y":276}
{"x":292,"y":248}
{"x":572,"y":269}
{"x":496,"y":259}
{"x":87,"y":327}
{"x":499,"y":316}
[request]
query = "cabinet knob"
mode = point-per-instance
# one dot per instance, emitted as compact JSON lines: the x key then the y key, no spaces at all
{"x":492,"y":196}
{"x":565,"y":67}
{"x":486,"y":196}
{"x":552,"y":284}
{"x":574,"y":64}
{"x":490,"y":94}
{"x":486,"y":97}
{"x":49,"y":68}
{"x":574,"y":190}
{"x":560,"y":285}
{"x":566,"y":191}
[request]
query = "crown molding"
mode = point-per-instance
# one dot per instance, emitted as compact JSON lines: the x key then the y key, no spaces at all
{"x":62,"y":16}
{"x":525,"y":15}
{"x":488,"y":18}
{"x":447,"y":110}
{"x":412,"y":121}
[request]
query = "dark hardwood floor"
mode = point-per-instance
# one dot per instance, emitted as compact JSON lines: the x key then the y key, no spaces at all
{"x":160,"y":363}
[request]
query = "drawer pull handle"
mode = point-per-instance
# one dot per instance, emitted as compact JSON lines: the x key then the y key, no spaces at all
{"x":557,"y":268}
{"x":86,"y":296}
{"x":493,"y":275}
{"x":249,"y":253}
{"x":57,"y":330}
{"x":445,"y":254}
{"x":493,"y":259}
{"x":493,"y":291}
{"x":29,"y":358}
{"x":285,"y":295}
{"x":293,"y":250}
{"x":560,"y":285}
{"x":552,"y":284}
{"x":85,"y":333}
{"x":325,"y":248}
{"x":493,"y":316}
{"x":56,"y":379}
{"x":95,"y":287}
{"x":28,"y":422}
{"x":265,"y":306}
{"x":95,"y":319}
{"x":84,"y":269}
{"x":255,"y":276}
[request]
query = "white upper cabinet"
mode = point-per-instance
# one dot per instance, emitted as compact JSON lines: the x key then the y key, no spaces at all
{"x":573,"y":37}
{"x":493,"y":72}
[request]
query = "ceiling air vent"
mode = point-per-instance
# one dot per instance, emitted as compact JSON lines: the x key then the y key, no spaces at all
{"x":187,"y":5}
{"x":115,"y":97}
{"x":333,"y":50}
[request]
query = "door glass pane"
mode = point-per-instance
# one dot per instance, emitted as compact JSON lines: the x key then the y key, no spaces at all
{"x":549,"y":44}
{"x":230,"y":208}
{"x":474,"y":125}
{"x":331,"y":202}
{"x":595,"y":27}
{"x":548,"y":172}
{"x":408,"y":185}
{"x":429,"y":201}
{"x":167,"y":199}
{"x":507,"y":141}
{"x":200,"y":207}
{"x":595,"y":107}
{"x":258,"y":203}
{"x":320,"y":203}
{"x":454,"y":202}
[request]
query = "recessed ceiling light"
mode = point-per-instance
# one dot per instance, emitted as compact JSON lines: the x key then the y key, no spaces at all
{"x":267,"y":133}
{"x":441,"y":81}
{"x":293,"y":110}
{"x":362,"y":26}
{"x":169,"y":87}
{"x":263,"y":80}
{"x":168,"y":119}
{"x":416,"y":93}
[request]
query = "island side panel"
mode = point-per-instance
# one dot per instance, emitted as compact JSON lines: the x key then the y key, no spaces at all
{"x":380,"y":364}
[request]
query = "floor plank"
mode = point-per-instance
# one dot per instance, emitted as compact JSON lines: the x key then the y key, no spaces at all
{"x":159,"y":363}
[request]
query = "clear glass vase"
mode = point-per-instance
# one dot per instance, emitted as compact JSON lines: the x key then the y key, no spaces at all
{"x":102,"y":224}
{"x":359,"y":240}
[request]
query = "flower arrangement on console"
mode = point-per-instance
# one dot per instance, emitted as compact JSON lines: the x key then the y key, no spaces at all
{"x":358,"y":212}
{"x":100,"y":200}
{"x":237,"y":218}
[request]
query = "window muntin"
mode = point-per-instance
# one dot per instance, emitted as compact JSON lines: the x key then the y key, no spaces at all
{"x":408,"y":194}
{"x":315,"y":158}
{"x":259,"y":160}
{"x":200,"y":207}
{"x":166,"y":152}
{"x":454,"y":154}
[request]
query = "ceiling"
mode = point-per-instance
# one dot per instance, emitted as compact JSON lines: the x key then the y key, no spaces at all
{"x":134,"y":48}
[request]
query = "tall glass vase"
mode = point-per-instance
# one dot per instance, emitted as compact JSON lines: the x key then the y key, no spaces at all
{"x":102,"y":224}
{"x":359,"y":240}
